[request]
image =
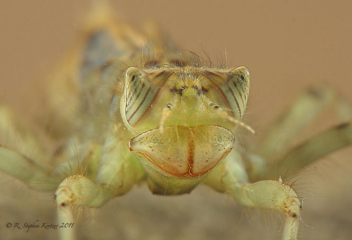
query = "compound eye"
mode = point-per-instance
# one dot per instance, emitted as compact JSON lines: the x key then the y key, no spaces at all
{"x":236,"y":90}
{"x":138,"y":95}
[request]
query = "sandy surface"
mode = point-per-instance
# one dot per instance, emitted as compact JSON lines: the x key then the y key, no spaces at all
{"x":286,"y":45}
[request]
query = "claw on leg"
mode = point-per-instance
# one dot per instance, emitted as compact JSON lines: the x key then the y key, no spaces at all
{"x":76,"y":190}
{"x":293,"y":209}
{"x":273,"y":195}
{"x":64,"y":212}
{"x":268,"y":194}
{"x":290,"y":228}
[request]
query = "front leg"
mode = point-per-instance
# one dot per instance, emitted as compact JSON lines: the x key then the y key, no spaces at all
{"x":230,"y":177}
{"x":119,"y":170}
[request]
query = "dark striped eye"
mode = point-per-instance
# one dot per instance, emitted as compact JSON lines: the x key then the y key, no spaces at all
{"x":139,"y":93}
{"x":232,"y":86}
{"x":236,"y":90}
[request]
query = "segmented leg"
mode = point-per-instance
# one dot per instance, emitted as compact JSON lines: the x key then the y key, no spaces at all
{"x":301,"y":113}
{"x":22,"y":154}
{"x":273,"y":159}
{"x":118,"y":172}
{"x":313,"y":149}
{"x":229,"y":177}
{"x":26,"y":170}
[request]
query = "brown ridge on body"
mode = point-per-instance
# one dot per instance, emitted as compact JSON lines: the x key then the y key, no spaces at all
{"x":190,"y":154}
{"x":159,"y":74}
{"x":190,"y":160}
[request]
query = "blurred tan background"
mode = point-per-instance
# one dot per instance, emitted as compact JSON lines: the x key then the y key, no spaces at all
{"x":287,"y":45}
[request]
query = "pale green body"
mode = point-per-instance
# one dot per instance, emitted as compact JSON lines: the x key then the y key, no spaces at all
{"x":127,"y":108}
